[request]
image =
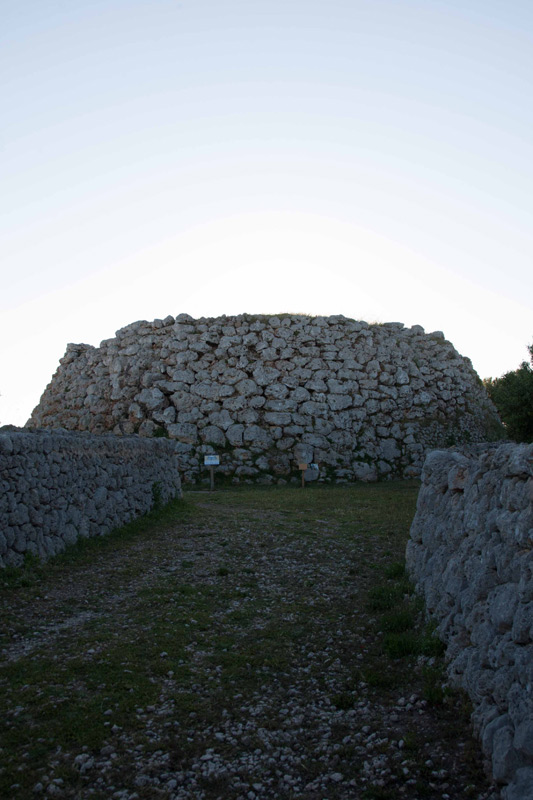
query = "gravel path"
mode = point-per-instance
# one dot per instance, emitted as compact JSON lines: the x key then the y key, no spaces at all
{"x":232,"y":655}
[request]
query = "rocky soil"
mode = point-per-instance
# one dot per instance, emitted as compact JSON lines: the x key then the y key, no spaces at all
{"x":236,"y":648}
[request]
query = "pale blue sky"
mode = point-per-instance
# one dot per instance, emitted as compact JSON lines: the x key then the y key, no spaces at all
{"x":366,"y":158}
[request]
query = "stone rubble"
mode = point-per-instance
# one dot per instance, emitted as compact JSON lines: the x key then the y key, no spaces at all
{"x":363,"y":401}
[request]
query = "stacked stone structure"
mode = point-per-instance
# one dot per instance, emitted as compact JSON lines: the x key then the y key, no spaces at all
{"x":57,"y":486}
{"x":265,"y":393}
{"x":471,"y":555}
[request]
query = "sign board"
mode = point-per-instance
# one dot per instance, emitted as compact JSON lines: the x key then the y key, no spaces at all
{"x":211,"y":461}
{"x":302,"y":466}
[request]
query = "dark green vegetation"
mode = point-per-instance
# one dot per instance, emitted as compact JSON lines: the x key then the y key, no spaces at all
{"x":512,"y":394}
{"x":226,"y":623}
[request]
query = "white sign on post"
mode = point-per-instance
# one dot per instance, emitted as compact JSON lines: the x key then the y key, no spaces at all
{"x":211,"y":461}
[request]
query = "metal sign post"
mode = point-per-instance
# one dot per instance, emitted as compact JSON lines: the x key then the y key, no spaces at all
{"x":211,"y":462}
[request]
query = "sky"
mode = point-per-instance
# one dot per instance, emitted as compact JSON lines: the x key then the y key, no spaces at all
{"x":372,"y":158}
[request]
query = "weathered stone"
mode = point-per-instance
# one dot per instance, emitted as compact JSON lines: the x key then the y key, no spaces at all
{"x":303,"y":453}
{"x":326,"y":373}
{"x":213,"y":435}
{"x":257,"y":436}
{"x":389,"y":449}
{"x":466,"y":556}
{"x":277,"y":390}
{"x":278,"y":418}
{"x":338,"y":402}
{"x":264,"y":376}
{"x":211,"y":390}
{"x":152,"y":399}
{"x":183,"y":432}
{"x":520,"y":787}
{"x":247,"y":387}
{"x":222,"y":419}
{"x":234,"y":435}
{"x":59,"y":486}
{"x":364,"y":472}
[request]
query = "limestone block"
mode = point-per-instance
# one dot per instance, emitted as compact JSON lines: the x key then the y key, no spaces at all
{"x":264,"y":375}
{"x":323,"y":426}
{"x":222,"y":419}
{"x":285,"y":443}
{"x":364,"y":472}
{"x":300,"y":394}
{"x":194,"y":415}
{"x":234,"y":434}
{"x":303,"y":453}
{"x":257,"y":437}
{"x":339,"y":402}
{"x":315,"y":440}
{"x":19,"y":516}
{"x":245,"y":470}
{"x":316,"y":385}
{"x":249,"y":416}
{"x":401,"y":377}
{"x":183,"y":432}
{"x":182,"y":400}
{"x":232,"y":376}
{"x":237,"y":403}
{"x":165,"y":417}
{"x":6,"y":443}
{"x":277,"y":390}
{"x":314,"y":409}
{"x":505,"y":760}
{"x":183,"y":375}
{"x":523,"y":739}
{"x":502,"y":607}
{"x":278,"y":418}
{"x":520,"y":786}
{"x":147,"y":428}
{"x":286,"y":405}
{"x":389,"y":449}
{"x":213,"y":435}
{"x":211,"y":391}
{"x":342,"y":439}
{"x":522,"y":628}
{"x":247,"y":387}
{"x":152,"y":399}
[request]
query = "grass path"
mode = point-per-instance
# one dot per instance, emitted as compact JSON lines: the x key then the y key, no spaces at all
{"x":251,"y":643}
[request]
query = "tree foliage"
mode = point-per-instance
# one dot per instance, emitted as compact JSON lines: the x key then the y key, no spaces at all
{"x":512,"y":394}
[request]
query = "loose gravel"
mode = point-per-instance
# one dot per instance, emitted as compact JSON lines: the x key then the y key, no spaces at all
{"x":229,"y":655}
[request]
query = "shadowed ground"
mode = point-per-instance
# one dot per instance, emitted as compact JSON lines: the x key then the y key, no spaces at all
{"x":251,"y":643}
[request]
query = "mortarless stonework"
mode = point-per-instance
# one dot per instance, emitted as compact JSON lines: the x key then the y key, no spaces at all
{"x":363,"y":401}
{"x":57,"y":486}
{"x":471,"y":555}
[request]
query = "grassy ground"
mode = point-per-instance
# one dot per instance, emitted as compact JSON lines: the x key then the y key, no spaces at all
{"x":254,"y":642}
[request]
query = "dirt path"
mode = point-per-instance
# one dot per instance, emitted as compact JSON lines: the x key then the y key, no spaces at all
{"x":242,"y":647}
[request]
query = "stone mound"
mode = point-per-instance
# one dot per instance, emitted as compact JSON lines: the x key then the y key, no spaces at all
{"x":267,"y":393}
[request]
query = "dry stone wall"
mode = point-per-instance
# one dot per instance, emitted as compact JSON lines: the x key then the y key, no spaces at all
{"x":471,"y":555}
{"x":57,"y":486}
{"x":265,"y":393}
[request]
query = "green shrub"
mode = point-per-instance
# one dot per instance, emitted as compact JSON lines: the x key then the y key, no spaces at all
{"x":512,"y":394}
